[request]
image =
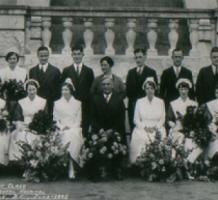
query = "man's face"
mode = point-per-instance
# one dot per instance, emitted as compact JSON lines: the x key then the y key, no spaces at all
{"x":140,"y":59}
{"x":107,"y":86}
{"x":177,"y":58}
{"x":43,"y":56}
{"x":214,"y":58}
{"x":77,"y":56}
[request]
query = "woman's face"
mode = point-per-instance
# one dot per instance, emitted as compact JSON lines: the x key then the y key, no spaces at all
{"x":216,"y":93}
{"x":31,"y":91}
{"x":183,"y":91}
{"x":149,"y":90}
{"x":12,"y":60}
{"x":65,"y":92}
{"x":105,"y":67}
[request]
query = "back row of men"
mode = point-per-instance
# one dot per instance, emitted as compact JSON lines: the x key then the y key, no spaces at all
{"x":86,"y":85}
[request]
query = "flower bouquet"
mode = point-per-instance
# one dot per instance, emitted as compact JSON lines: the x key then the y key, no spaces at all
{"x":195,"y":125}
{"x":162,"y":160}
{"x":13,"y":90}
{"x":102,"y":150}
{"x":45,"y":159}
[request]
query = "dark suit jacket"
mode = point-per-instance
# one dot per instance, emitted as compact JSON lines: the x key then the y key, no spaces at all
{"x":168,"y":89}
{"x":109,"y":115}
{"x":205,"y":85}
{"x":134,"y":89}
{"x":50,"y":82}
{"x":82,"y":83}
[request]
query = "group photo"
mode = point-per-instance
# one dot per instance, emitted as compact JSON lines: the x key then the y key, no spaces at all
{"x":101,"y":100}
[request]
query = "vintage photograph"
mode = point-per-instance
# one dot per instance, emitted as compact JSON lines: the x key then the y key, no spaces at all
{"x":109,"y":99}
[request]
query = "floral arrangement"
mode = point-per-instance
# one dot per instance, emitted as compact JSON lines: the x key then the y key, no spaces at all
{"x":45,"y":159}
{"x":101,"y":149}
{"x":13,"y":90}
{"x":162,"y":160}
{"x":4,"y":122}
{"x":42,"y":123}
{"x":195,"y":125}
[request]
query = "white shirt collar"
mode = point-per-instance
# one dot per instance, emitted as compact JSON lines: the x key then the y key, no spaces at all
{"x":214,"y":68}
{"x":177,"y":68}
{"x":78,"y":65}
{"x":107,"y":96}
{"x":44,"y":67}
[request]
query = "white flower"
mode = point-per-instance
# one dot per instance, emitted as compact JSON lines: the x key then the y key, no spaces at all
{"x":94,"y":137}
{"x":110,"y":156}
{"x":34,"y":163}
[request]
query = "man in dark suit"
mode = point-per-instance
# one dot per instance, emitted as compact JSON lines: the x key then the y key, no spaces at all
{"x":171,"y":75}
{"x":82,"y":78}
{"x":135,"y":80}
{"x":208,"y":79}
{"x":48,"y":76}
{"x":108,"y":112}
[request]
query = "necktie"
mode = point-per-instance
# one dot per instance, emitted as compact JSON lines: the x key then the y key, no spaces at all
{"x":107,"y":97}
{"x":77,"y":70}
{"x":177,"y":72}
{"x":139,"y":70}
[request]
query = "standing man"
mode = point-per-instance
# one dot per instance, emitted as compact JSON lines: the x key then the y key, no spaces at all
{"x":171,"y":75}
{"x":48,"y":76}
{"x":208,"y":79}
{"x":82,"y":78}
{"x":135,"y":80}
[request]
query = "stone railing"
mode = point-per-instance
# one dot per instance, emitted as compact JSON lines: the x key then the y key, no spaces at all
{"x":26,"y":28}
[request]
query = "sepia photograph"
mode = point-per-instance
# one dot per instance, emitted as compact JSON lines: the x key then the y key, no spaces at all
{"x":108,"y":99}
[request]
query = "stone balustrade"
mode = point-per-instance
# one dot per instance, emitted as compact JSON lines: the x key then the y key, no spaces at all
{"x":26,"y":28}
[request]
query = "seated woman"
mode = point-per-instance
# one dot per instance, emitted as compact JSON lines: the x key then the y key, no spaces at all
{"x":26,"y":109}
{"x":13,"y":71}
{"x":149,"y":118}
{"x":177,"y":109}
{"x":4,"y":136}
{"x":106,"y":67}
{"x":67,"y":114}
{"x":212,"y":111}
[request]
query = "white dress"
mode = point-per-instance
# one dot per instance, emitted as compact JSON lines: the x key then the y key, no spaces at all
{"x":4,"y":141}
{"x":147,"y":114}
{"x":68,"y":114}
{"x":212,"y":107}
{"x":18,"y":73}
{"x":180,"y":106}
{"x":29,"y":108}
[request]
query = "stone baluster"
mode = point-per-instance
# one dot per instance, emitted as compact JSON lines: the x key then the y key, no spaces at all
{"x":28,"y":36}
{"x":67,"y":35}
{"x":173,"y":35}
{"x":130,"y":36}
{"x":35,"y":34}
{"x":46,"y":32}
{"x":109,"y":36}
{"x":194,"y":39}
{"x":88,"y":36}
{"x":152,"y":37}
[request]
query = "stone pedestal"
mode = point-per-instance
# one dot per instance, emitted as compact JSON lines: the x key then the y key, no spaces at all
{"x":43,"y":3}
{"x":201,"y":4}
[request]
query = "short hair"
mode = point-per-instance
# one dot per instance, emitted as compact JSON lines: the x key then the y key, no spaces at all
{"x":31,"y":82}
{"x":42,"y":48}
{"x":176,"y":49}
{"x":12,"y":53}
{"x":77,"y":48}
{"x":69,"y":86}
{"x":108,"y":59}
{"x":140,"y":50}
{"x":213,"y":50}
{"x":151,"y":84}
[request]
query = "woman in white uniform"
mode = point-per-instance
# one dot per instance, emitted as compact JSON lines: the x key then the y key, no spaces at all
{"x":26,"y":109}
{"x":178,"y":109}
{"x":67,"y":114}
{"x":4,"y":137}
{"x":212,"y":108}
{"x":13,"y":71}
{"x":149,"y":118}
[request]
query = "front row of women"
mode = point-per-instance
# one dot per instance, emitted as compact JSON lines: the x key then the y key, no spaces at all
{"x":149,"y":118}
